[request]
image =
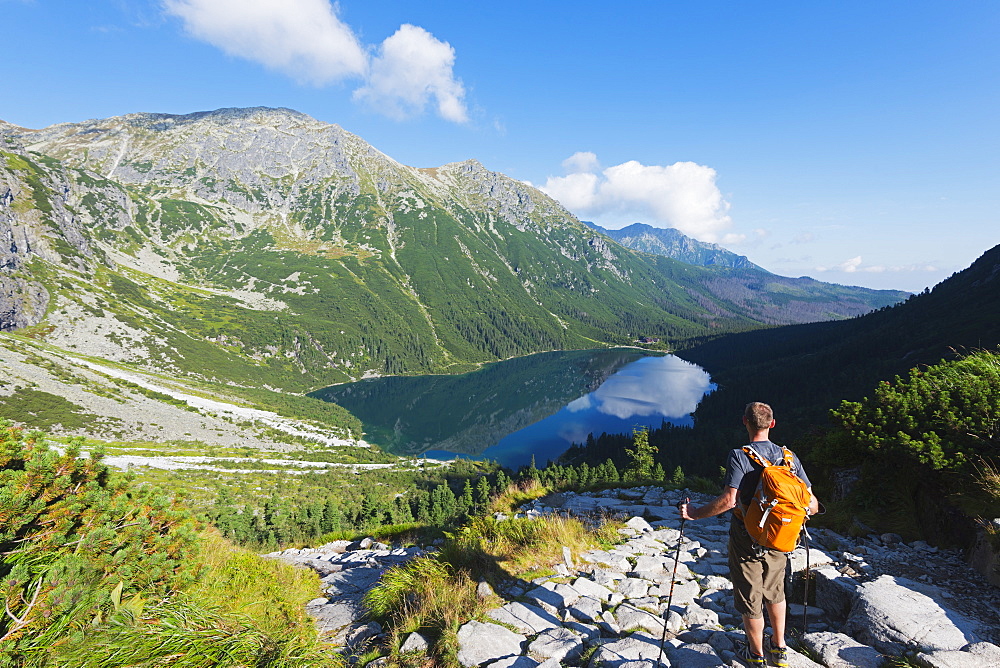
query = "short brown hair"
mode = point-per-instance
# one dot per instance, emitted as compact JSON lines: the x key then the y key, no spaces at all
{"x":758,"y":415}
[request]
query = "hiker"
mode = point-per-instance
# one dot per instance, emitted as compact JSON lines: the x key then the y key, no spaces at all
{"x":758,"y":573}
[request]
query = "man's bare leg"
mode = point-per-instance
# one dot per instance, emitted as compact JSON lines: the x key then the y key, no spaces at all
{"x":777,"y":614}
{"x":755,"y":634}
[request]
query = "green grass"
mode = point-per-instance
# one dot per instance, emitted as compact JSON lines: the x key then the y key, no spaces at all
{"x":410,"y":533}
{"x":100,"y":573}
{"x":44,"y":410}
{"x":243,"y":611}
{"x":31,"y":173}
{"x":428,"y":596}
{"x":988,"y":479}
{"x":435,"y":595}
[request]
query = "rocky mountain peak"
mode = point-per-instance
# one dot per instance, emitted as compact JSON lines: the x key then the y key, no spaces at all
{"x":9,"y":137}
{"x":514,"y":200}
{"x":261,"y":160}
{"x":264,"y":115}
{"x":252,"y":158}
{"x":673,"y":243}
{"x":231,"y":199}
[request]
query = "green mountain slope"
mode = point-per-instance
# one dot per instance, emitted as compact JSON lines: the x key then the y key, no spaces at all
{"x":262,"y":247}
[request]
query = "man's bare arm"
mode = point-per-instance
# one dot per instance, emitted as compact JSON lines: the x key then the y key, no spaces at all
{"x":717,"y":506}
{"x":813,"y":503}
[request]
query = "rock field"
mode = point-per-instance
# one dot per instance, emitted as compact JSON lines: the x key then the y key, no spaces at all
{"x":874,"y":598}
{"x":126,"y":414}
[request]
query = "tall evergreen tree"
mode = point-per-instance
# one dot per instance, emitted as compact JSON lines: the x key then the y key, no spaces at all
{"x":466,"y":501}
{"x":677,"y":478}
{"x":400,"y":512}
{"x":503,"y":482}
{"x":333,"y":518}
{"x":482,"y":493}
{"x":640,"y":455}
{"x":423,"y":512}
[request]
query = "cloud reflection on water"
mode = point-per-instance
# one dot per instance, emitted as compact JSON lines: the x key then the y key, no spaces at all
{"x":644,"y":392}
{"x":574,"y":431}
{"x":666,"y":386}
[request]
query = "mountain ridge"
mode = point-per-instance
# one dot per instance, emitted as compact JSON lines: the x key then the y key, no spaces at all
{"x":248,"y":244}
{"x":671,"y":242}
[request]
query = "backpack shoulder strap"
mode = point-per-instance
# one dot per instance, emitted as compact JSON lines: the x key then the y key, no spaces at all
{"x":755,"y":456}
{"x":789,"y":459}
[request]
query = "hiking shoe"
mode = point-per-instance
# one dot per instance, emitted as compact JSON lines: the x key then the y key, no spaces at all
{"x":746,"y":655}
{"x":778,"y":656}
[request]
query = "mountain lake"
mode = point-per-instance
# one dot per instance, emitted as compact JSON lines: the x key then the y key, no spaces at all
{"x":537,"y":405}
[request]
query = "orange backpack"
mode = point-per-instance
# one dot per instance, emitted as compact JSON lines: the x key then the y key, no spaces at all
{"x":780,"y":505}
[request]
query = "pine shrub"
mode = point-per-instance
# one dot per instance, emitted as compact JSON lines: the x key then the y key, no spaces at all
{"x":76,"y":539}
{"x":945,"y":417}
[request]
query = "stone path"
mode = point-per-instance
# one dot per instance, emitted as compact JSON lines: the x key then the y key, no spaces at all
{"x":608,"y":607}
{"x":347,"y":571}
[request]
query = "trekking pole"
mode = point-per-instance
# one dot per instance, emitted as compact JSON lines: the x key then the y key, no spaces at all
{"x":673,"y":580}
{"x":805,"y":588}
{"x":805,"y":603}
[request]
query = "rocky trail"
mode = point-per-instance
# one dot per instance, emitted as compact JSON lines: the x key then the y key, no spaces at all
{"x":874,"y":598}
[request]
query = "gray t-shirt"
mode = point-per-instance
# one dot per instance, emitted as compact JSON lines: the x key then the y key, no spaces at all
{"x":744,"y":474}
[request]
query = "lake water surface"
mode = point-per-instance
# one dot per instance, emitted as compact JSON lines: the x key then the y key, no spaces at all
{"x":536,"y":405}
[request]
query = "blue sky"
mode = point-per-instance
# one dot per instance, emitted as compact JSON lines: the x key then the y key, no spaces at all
{"x":855,"y":142}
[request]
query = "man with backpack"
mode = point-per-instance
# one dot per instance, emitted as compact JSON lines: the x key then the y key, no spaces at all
{"x":771,"y":496}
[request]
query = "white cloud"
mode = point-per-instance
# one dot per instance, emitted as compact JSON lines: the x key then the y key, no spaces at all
{"x":579,"y":192}
{"x":850,"y":266}
{"x":855,"y":264}
{"x":574,"y":432}
{"x":753,"y":239}
{"x":581,"y":161}
{"x":302,"y":38}
{"x":306,"y":40}
{"x":411,"y":68}
{"x":682,"y":195}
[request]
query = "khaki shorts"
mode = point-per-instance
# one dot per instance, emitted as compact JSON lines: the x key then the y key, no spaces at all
{"x":758,"y":574}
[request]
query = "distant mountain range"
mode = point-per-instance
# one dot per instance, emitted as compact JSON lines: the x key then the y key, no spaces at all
{"x":808,"y":369}
{"x":261,"y":247}
{"x":669,"y":242}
